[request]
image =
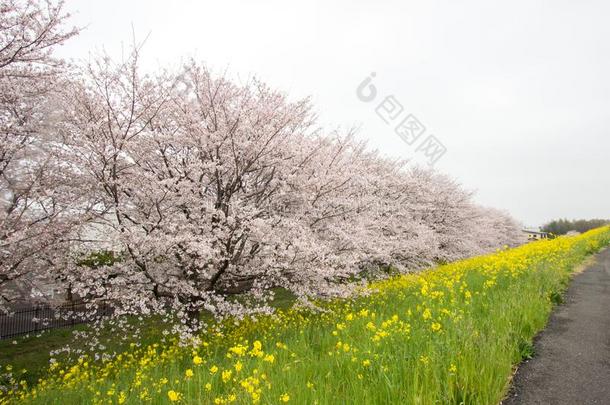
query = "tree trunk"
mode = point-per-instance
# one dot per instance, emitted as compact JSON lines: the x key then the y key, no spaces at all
{"x":192,"y":318}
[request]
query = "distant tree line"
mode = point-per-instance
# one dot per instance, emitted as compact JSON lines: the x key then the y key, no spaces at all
{"x":563,"y":226}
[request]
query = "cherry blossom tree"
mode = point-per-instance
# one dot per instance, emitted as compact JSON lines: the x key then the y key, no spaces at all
{"x":201,"y":186}
{"x":185,"y":168}
{"x":209,"y":188}
{"x":36,"y":199}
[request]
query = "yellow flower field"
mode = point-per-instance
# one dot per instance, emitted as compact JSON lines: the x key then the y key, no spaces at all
{"x":448,"y":335}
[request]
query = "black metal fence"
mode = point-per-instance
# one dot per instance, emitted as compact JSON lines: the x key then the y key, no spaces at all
{"x":38,"y":318}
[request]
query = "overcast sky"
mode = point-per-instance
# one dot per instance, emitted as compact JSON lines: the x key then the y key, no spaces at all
{"x":518,"y":92}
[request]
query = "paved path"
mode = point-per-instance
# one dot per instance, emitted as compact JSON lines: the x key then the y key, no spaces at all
{"x":572,"y":361}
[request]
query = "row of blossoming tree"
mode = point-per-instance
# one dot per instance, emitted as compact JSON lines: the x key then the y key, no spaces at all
{"x":202,"y":187}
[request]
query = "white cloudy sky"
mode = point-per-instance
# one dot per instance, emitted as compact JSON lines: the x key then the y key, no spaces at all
{"x":517,"y":91}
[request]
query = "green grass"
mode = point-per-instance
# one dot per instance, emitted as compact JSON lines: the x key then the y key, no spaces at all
{"x":451,"y":335}
{"x":32,"y":352}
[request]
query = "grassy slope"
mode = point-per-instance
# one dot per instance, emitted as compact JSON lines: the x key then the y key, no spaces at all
{"x":32,"y":352}
{"x":449,"y":335}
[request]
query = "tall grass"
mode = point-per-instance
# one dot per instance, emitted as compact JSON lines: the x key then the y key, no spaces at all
{"x":450,"y":335}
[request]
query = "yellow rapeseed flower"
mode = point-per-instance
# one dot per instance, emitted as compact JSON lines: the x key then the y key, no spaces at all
{"x":173,"y":396}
